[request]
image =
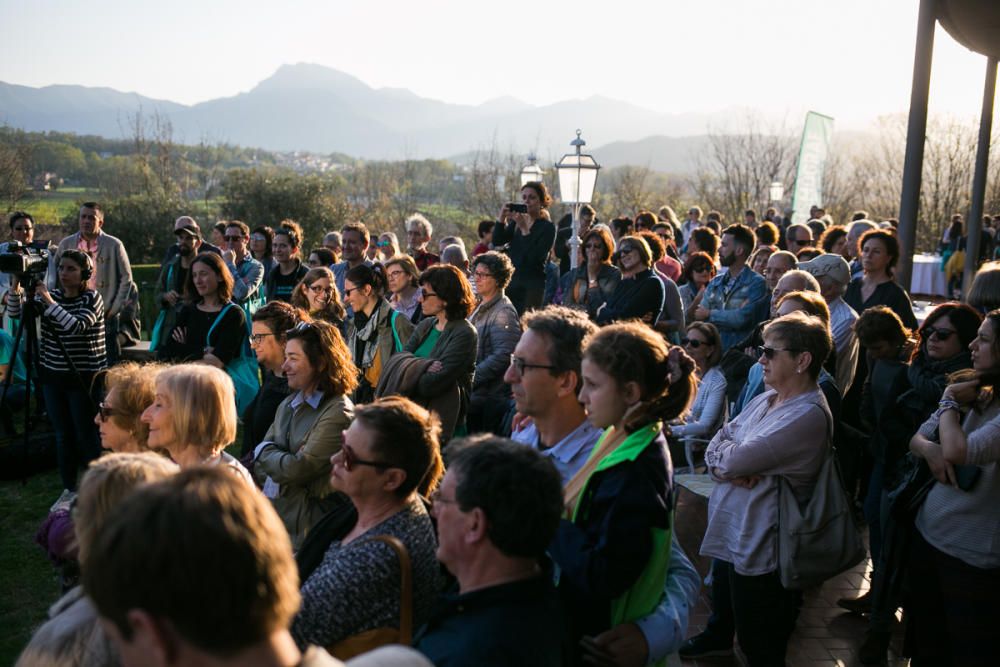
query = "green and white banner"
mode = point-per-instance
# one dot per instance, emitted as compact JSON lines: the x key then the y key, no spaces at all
{"x":812,"y":157}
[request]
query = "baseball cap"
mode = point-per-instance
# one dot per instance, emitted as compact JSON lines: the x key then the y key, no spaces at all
{"x":829,"y":264}
{"x":187,"y":226}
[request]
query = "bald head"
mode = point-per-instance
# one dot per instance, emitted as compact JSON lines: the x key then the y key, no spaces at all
{"x":793,"y":281}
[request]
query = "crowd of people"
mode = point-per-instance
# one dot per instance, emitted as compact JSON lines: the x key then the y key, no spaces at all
{"x":468,"y":458}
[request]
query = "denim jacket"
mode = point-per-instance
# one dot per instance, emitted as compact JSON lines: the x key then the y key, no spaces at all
{"x":735,"y":304}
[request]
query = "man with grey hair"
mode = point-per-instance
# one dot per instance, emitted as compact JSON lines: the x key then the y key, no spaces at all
{"x":334,"y":243}
{"x":855,"y":231}
{"x":418,"y":235}
{"x":833,"y":275}
{"x":447,"y":241}
{"x":778,"y":264}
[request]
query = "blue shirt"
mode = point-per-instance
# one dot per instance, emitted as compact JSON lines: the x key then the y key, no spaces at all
{"x":570,"y":453}
{"x":312,"y":399}
{"x":736,"y":304}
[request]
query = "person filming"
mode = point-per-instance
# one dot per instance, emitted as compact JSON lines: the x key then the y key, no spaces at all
{"x":71,"y":353}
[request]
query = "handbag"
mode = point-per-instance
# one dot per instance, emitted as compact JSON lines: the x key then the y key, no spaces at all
{"x":372,"y":639}
{"x":821,"y":539}
{"x":242,"y":369}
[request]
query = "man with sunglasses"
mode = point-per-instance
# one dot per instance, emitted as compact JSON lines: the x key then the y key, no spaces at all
{"x":174,"y":273}
{"x":247,"y":272}
{"x":797,"y":237}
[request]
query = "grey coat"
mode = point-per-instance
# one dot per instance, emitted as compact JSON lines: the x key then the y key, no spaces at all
{"x":499,"y":329}
{"x":112,"y":270}
{"x":455,"y":349}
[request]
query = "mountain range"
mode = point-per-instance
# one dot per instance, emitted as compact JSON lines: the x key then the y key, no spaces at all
{"x":313,"y":108}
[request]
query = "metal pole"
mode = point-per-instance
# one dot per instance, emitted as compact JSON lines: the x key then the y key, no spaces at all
{"x":913,"y":163}
{"x":975,"y":221}
{"x":574,"y":239}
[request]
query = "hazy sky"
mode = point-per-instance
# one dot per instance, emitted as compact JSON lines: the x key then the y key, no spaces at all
{"x":851,"y":59}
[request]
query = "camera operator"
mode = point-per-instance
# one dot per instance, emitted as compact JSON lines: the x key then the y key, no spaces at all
{"x":72,"y":317}
{"x":22,"y":230}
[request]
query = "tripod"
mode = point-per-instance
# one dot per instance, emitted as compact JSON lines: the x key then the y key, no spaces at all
{"x":27,"y":330}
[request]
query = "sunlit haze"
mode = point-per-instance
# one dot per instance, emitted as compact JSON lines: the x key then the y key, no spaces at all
{"x":851,"y":59}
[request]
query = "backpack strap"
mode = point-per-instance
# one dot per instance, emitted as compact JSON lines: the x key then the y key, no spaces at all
{"x":395,"y":334}
{"x":218,"y":318}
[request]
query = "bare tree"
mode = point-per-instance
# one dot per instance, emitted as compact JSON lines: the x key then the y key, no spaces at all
{"x":736,"y":169}
{"x":491,"y":180}
{"x":14,"y":156}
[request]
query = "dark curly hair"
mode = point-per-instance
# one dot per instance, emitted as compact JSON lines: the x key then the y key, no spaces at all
{"x":498,"y":264}
{"x":452,"y":287}
{"x":543,"y":192}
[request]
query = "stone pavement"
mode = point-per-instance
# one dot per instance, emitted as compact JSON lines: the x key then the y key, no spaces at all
{"x":825,"y":634}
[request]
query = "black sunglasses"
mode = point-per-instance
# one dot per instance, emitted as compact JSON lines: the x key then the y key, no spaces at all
{"x":769,"y":352}
{"x":520,"y":365}
{"x":106,"y":411}
{"x":351,"y":460}
{"x":938,"y":334}
{"x":695,"y":344}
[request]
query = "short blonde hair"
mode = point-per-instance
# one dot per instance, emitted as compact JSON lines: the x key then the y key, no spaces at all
{"x":203,"y":405}
{"x":136,"y":386}
{"x":106,"y":483}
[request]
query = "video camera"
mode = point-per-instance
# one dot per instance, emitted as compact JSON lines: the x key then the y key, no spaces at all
{"x":28,"y":263}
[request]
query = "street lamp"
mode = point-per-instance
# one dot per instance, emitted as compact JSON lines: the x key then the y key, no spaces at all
{"x":577,"y":179}
{"x":531,"y":171}
{"x":776,"y":191}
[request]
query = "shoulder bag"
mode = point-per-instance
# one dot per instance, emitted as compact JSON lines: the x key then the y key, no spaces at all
{"x":242,"y":369}
{"x":372,"y":639}
{"x":821,"y":539}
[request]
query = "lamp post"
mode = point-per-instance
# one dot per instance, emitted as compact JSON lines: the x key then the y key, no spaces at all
{"x":577,"y":179}
{"x":531,"y":171}
{"x":776,"y":191}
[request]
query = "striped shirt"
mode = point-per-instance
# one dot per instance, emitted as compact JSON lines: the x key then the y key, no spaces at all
{"x":79,"y":323}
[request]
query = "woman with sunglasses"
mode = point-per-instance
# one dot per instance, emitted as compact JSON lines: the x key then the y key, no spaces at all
{"x":703,"y":343}
{"x":498,"y":328}
{"x":389,"y":461}
{"x":698,"y":272}
{"x":639,"y":294}
{"x":375,"y":331}
{"x":292,"y":463}
{"x":953,"y":560}
{"x":447,"y":337}
{"x":596,"y":279}
{"x":403,"y":278}
{"x":129,"y":390}
{"x":317,"y":295}
{"x":783,"y":433}
{"x":267,"y":340}
{"x":613,"y":544}
{"x":193,"y":417}
{"x":288,"y":270}
{"x":387,"y":246}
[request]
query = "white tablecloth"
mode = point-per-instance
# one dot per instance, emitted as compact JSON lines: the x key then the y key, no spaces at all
{"x":927,"y":276}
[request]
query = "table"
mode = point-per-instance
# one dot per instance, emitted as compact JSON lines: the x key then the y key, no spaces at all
{"x":927,"y":277}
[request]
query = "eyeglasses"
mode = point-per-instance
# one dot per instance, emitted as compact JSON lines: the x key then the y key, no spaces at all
{"x":479,"y":274}
{"x":383,"y":244}
{"x":519,"y":365}
{"x":395,"y":274}
{"x":694,"y":343}
{"x":350,"y":460}
{"x":258,"y":237}
{"x":319,"y":289}
{"x":769,"y":352}
{"x":938,"y":333}
{"x":23,"y":229}
{"x":255,"y":339}
{"x":438,"y":498}
{"x":106,"y":411}
{"x":626,"y":249}
{"x":233,"y":239}
{"x":800,"y":241}
{"x":424,"y":294}
{"x":348,"y":290}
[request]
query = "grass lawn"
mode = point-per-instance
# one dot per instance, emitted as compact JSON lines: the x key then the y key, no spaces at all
{"x":29,"y":583}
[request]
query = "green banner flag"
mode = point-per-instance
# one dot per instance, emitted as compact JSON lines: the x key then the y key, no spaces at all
{"x":812,"y":158}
